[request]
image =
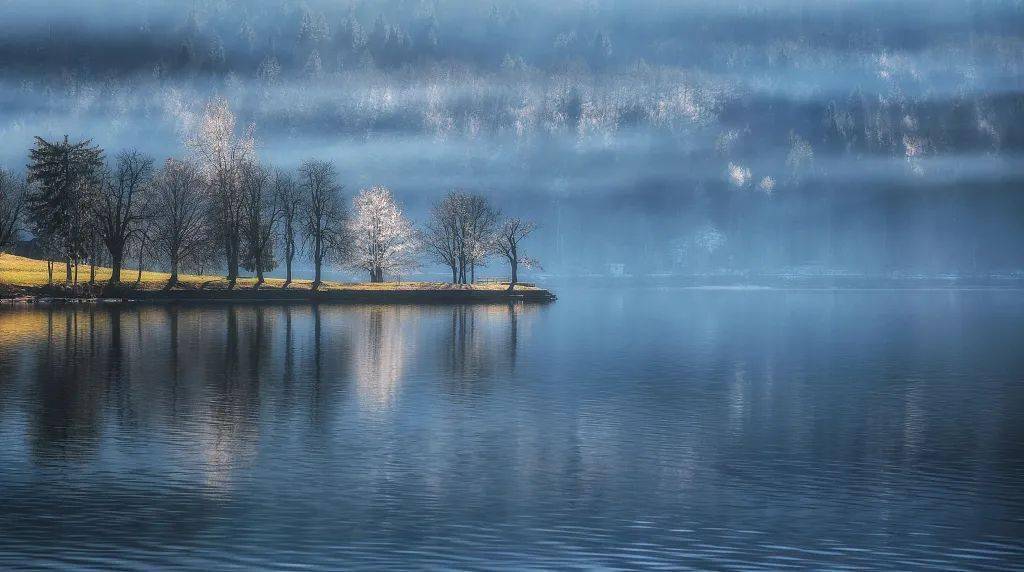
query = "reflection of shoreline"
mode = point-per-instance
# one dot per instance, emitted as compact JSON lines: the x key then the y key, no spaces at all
{"x":484,"y":338}
{"x":23,"y":324}
{"x":207,"y":376}
{"x":356,"y":295}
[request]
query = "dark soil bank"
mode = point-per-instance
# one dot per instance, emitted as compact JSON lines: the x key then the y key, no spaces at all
{"x":425,"y":296}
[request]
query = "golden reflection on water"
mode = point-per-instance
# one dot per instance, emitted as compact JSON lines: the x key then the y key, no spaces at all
{"x":22,"y":325}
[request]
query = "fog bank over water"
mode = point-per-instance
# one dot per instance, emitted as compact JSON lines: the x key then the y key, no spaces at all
{"x":670,"y":137}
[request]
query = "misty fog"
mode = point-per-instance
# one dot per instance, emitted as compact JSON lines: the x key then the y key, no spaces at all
{"x":667,"y":137}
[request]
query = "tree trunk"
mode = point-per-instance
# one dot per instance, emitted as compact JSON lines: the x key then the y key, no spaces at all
{"x":116,"y":261}
{"x":232,"y":270}
{"x":231,"y":248}
{"x":514,"y":264}
{"x":259,"y":275}
{"x":173,"y":280}
{"x":49,"y":273}
{"x":138,"y":277}
{"x":455,"y":275}
{"x":94,"y":252}
{"x":318,"y":260}
{"x":316,"y":272}
{"x":67,"y":268}
{"x":288,"y":271}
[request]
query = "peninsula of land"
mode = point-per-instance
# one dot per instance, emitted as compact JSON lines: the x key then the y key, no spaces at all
{"x":29,"y":279}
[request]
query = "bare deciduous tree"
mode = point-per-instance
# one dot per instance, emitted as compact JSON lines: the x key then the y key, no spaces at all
{"x":142,"y":247}
{"x":323,"y":214}
{"x":288,"y":203}
{"x":179,"y":223}
{"x":120,"y":207}
{"x":12,"y":205}
{"x":507,"y":244}
{"x":478,"y":226}
{"x":459,"y":233}
{"x":383,"y":240}
{"x":441,"y":238}
{"x":261,"y":217}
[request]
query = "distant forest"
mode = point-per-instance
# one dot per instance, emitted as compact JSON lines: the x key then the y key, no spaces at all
{"x":668,"y":137}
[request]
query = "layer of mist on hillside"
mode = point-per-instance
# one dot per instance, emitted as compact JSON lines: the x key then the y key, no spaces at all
{"x":645,"y":136}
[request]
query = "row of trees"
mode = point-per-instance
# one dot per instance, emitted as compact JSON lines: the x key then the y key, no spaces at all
{"x":464,"y":230}
{"x":223,"y":207}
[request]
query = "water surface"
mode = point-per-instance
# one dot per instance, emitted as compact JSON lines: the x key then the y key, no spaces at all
{"x":623,"y":428}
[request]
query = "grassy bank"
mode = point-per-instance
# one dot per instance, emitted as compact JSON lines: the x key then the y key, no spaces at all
{"x":21,"y":276}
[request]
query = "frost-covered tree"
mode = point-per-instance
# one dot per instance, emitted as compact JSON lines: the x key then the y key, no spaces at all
{"x":121,"y":206}
{"x":269,"y":71}
{"x":179,"y":230}
{"x":800,"y":158}
{"x":314,"y":68}
{"x":314,"y":28}
{"x":708,"y":240}
{"x":221,"y":153}
{"x":383,"y":240}
{"x":323,"y":214}
{"x":739,"y":175}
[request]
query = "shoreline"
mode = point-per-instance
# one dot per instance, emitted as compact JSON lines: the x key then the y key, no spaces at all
{"x":26,"y":280}
{"x":435,"y":295}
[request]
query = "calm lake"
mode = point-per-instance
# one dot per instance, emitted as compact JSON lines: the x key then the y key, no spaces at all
{"x":615,"y":428}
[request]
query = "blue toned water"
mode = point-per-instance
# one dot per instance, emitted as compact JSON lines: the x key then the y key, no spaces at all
{"x":616,"y":428}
